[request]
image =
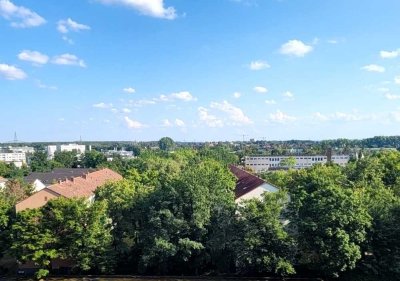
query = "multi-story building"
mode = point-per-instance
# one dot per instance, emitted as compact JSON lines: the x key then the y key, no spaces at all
{"x":264,"y":163}
{"x":18,"y":158}
{"x":51,"y":149}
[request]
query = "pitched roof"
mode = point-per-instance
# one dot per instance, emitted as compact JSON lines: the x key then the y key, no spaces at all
{"x":85,"y":185}
{"x":245,"y":182}
{"x":56,"y":175}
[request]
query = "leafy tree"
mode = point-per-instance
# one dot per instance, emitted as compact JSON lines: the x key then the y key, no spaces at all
{"x":288,"y":162}
{"x":263,"y":246}
{"x":166,"y":144}
{"x":67,"y":159}
{"x":32,"y":242}
{"x":82,"y":232}
{"x":39,"y":162}
{"x":93,"y":159}
{"x":330,"y":221}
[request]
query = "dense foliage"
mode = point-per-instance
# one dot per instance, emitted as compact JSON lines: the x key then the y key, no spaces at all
{"x":175,"y":213}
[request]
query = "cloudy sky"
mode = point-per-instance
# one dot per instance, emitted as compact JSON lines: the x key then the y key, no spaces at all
{"x":199,"y":70}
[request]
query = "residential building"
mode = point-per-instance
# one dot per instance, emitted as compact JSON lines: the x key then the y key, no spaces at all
{"x":264,"y":163}
{"x":41,"y":180}
{"x":74,"y":187}
{"x":52,"y":149}
{"x":249,"y":186}
{"x":18,"y":158}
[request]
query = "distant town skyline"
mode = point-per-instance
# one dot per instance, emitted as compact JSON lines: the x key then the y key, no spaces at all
{"x":209,"y":70}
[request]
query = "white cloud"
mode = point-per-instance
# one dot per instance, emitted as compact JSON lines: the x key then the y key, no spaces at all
{"x":260,"y":89}
{"x":320,"y":117}
{"x":373,"y":68}
{"x":397,"y":79}
{"x":270,"y":102}
{"x":295,"y":48}
{"x":333,"y":41}
{"x":392,"y":96}
{"x":235,"y":114}
{"x":65,"y":26}
{"x":389,"y":54}
{"x":288,"y":95}
{"x":44,"y":86}
{"x":153,"y":8}
{"x":259,"y":65}
{"x":185,"y":96}
{"x":19,"y":16}
{"x":129,"y":90}
{"x":281,"y":117}
{"x":133,"y":124}
{"x":103,"y":105}
{"x":10,"y":72}
{"x":167,"y":123}
{"x":68,"y":59}
{"x":33,"y":56}
{"x":126,"y":110}
{"x":179,"y":123}
{"x":68,"y":40}
{"x":348,"y":116}
{"x":208,"y":119}
{"x":237,"y":95}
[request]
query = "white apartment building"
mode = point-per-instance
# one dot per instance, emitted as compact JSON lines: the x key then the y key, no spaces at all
{"x":26,"y":149}
{"x":264,"y":163}
{"x":51,"y":149}
{"x":18,"y":158}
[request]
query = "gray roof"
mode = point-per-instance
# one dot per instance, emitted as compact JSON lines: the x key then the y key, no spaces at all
{"x":57,"y":174}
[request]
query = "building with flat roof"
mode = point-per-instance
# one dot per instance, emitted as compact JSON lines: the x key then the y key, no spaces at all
{"x":52,"y":149}
{"x":265,"y":163}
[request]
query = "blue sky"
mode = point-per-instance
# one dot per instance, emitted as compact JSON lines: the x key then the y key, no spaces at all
{"x":199,"y":70}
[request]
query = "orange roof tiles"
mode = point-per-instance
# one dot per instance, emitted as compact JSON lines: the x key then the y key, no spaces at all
{"x":86,"y":185}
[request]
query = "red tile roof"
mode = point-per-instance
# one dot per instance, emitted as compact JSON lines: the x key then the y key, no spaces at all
{"x":85,"y":185}
{"x":245,"y":182}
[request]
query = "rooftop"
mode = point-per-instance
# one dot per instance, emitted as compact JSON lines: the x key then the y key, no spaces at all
{"x":245,"y":182}
{"x":56,"y":175}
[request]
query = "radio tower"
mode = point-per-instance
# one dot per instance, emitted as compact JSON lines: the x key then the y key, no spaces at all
{"x":15,"y":137}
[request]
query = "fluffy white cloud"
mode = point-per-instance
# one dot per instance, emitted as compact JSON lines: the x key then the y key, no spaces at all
{"x":397,"y":79}
{"x":33,"y":56}
{"x":179,"y":123}
{"x":260,"y":89}
{"x":65,"y":26}
{"x":153,"y":8}
{"x":167,"y":123}
{"x":237,"y":95}
{"x":281,"y":117}
{"x":295,"y":48}
{"x":270,"y":102}
{"x":390,"y":96}
{"x":19,"y":16}
{"x":348,"y":116}
{"x":288,"y":95}
{"x":68,"y":59}
{"x":235,"y":114}
{"x":10,"y":72}
{"x":185,"y":96}
{"x":259,"y":65}
{"x":103,"y":105}
{"x":133,"y":124}
{"x":126,"y":110}
{"x":208,"y":119}
{"x":389,"y":54}
{"x":320,"y":117}
{"x":129,"y":90}
{"x":373,"y":68}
